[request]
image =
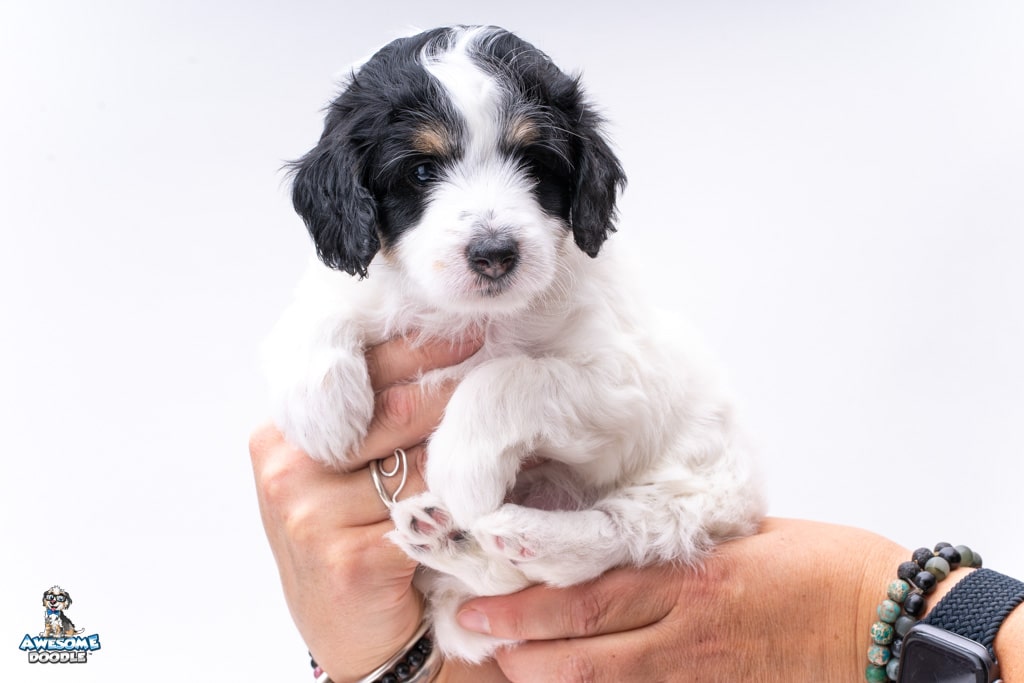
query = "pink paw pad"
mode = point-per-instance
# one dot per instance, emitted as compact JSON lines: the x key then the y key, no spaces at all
{"x":512,"y":548}
{"x":424,"y":520}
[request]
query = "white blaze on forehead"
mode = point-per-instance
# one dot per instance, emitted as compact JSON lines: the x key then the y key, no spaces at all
{"x":483,"y":191}
{"x":474,"y":93}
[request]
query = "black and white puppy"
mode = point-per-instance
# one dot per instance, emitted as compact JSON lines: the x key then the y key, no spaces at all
{"x":465,"y":180}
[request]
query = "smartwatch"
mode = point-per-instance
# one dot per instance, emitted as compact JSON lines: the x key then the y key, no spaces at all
{"x":932,"y":655}
{"x":953,"y":644}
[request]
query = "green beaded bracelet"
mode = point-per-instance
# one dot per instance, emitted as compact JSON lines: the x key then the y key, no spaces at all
{"x":905,"y":602}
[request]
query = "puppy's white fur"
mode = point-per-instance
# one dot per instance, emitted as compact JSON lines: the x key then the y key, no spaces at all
{"x":643,"y":460}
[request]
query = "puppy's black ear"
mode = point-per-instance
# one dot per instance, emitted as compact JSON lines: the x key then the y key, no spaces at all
{"x":338,"y":210}
{"x":599,"y":177}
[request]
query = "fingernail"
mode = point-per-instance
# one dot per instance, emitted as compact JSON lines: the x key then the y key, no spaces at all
{"x":472,"y":620}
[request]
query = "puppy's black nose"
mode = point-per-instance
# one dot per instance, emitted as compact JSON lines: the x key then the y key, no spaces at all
{"x":493,"y":257}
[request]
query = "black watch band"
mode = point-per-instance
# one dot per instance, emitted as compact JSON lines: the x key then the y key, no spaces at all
{"x":977,"y":605}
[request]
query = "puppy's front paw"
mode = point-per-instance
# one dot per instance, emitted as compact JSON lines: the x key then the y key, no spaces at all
{"x":327,"y":408}
{"x":424,"y":528}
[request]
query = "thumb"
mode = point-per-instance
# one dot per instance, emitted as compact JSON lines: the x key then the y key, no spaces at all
{"x":621,"y":600}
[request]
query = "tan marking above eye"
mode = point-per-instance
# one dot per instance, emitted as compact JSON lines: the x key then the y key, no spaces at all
{"x":522,"y":131}
{"x":434,"y":140}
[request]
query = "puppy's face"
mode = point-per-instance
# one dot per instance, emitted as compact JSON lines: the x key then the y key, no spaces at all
{"x":55,"y":599}
{"x":467,"y":158}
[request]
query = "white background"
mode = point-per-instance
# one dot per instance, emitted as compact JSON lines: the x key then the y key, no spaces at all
{"x":831,"y":191}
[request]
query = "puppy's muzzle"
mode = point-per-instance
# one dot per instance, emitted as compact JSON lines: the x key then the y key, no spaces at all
{"x":493,"y":256}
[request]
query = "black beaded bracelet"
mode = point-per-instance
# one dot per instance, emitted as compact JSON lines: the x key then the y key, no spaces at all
{"x":905,"y":603}
{"x":411,"y":665}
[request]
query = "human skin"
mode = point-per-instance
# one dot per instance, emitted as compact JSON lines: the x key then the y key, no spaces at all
{"x":793,"y":602}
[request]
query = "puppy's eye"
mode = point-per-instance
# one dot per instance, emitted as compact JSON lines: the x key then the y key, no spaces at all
{"x":425,"y":173}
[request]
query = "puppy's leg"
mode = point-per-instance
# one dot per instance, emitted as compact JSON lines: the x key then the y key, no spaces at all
{"x":319,"y":384}
{"x":328,"y":408}
{"x":669,"y":521}
{"x":508,"y":407}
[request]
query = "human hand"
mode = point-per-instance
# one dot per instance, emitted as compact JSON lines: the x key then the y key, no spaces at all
{"x":794,"y":602}
{"x":350,"y":590}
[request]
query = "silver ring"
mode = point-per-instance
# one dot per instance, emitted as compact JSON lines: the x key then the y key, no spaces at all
{"x":377,"y":471}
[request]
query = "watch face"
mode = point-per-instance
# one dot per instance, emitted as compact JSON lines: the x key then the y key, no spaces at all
{"x":927,"y":664}
{"x":935,"y":656}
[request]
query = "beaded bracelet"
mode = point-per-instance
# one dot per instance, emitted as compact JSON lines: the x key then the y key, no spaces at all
{"x":417,"y":663}
{"x":905,"y":603}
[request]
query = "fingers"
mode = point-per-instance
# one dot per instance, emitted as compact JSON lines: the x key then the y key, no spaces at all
{"x":299,"y":496}
{"x":621,"y":600}
{"x":403,"y":359}
{"x":405,"y":415}
{"x":604,"y":630}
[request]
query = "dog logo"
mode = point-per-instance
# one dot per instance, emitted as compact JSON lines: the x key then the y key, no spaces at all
{"x":56,"y":601}
{"x":59,"y":642}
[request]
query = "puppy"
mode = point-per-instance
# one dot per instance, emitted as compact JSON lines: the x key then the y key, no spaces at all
{"x":56,"y":622}
{"x":462,"y":183}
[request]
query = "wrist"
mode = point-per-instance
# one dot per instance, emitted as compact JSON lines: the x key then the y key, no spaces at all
{"x":943,"y":613}
{"x":415,"y":659}
{"x":944,"y":587}
{"x":880,"y":569}
{"x":341,"y":668}
{"x":1009,"y":637}
{"x":1008,"y":646}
